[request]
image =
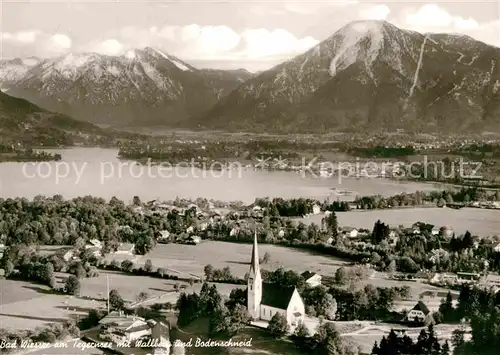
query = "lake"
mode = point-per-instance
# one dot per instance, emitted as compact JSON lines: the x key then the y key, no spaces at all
{"x":98,"y":172}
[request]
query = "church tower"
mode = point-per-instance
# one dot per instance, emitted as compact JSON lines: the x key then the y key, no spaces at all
{"x":254,"y":283}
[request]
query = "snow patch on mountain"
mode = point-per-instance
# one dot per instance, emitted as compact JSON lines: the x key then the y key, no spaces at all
{"x":73,"y":61}
{"x":113,"y":70}
{"x":352,"y":39}
{"x":180,"y":65}
{"x":130,"y":54}
{"x":176,"y":62}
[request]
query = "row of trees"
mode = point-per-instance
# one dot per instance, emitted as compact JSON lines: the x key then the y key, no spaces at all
{"x":426,"y":344}
{"x":419,"y":198}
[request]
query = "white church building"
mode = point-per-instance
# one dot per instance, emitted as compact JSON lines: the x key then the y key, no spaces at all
{"x":267,"y":299}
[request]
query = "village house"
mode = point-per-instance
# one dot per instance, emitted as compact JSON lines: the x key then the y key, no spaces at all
{"x":118,"y":327}
{"x":419,"y":314}
{"x":163,"y":236}
{"x":69,"y":255}
{"x":93,"y":243}
{"x":468,"y":277}
{"x":311,"y":278}
{"x":497,"y":248}
{"x":491,"y":280}
{"x":125,"y":248}
{"x":264,"y":300}
{"x":351,"y":233}
{"x":194,"y":239}
{"x":316,"y":209}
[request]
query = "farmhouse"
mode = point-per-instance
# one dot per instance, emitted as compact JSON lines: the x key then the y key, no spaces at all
{"x":93,"y":243}
{"x":118,"y":327}
{"x":267,"y":299}
{"x":125,"y":248}
{"x":420,"y":314}
{"x":311,"y":278}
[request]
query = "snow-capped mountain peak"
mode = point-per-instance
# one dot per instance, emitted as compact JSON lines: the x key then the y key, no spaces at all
{"x":12,"y":70}
{"x":141,"y":85}
{"x":357,"y":40}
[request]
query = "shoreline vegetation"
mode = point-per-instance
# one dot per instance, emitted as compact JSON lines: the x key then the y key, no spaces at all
{"x":14,"y":154}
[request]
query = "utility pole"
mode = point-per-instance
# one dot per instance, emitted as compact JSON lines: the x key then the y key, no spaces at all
{"x":107,"y":289}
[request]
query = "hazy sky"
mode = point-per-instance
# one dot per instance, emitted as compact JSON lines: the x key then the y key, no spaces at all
{"x":224,"y":34}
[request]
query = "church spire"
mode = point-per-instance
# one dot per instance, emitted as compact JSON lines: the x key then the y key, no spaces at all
{"x":254,"y":263}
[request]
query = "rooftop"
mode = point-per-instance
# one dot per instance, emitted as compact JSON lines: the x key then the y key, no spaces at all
{"x":276,"y":296}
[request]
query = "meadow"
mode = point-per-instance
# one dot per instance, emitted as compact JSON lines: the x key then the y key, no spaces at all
{"x":25,"y":305}
{"x":189,"y":260}
{"x":478,"y":221}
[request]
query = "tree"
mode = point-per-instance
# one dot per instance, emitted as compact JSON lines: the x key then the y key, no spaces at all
{"x":278,"y":325}
{"x":239,"y":318}
{"x":445,"y":349}
{"x":9,"y":268}
{"x":266,"y":258}
{"x":136,"y":201}
{"x":127,"y":265}
{"x":427,"y":342}
{"x":209,"y":272}
{"x":341,"y":276}
{"x":72,"y":285}
{"x":116,"y":301}
{"x":329,"y":340}
{"x":302,"y":331}
{"x":391,"y":267}
{"x":331,"y":224}
{"x":142,"y":296}
{"x":49,"y":275}
{"x":328,"y":307}
{"x":148,"y":266}
{"x":446,"y":308}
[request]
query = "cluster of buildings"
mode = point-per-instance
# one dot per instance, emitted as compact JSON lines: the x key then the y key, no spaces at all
{"x":119,"y":328}
{"x":463,"y":278}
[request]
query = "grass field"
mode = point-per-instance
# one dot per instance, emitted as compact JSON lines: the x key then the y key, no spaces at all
{"x":25,"y":305}
{"x":478,"y":221}
{"x":129,"y":286}
{"x":186,"y":260}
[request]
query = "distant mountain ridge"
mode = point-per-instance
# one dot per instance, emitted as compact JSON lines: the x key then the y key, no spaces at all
{"x":23,"y":122}
{"x":369,"y":75}
{"x":141,"y":87}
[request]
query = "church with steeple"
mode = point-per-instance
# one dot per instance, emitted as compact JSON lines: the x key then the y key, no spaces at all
{"x":267,"y":299}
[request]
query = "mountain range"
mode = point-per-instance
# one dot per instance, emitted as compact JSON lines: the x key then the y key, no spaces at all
{"x":369,"y":75}
{"x":141,"y":87}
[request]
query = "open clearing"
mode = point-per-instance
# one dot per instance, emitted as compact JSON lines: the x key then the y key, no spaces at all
{"x":129,"y":286}
{"x":189,"y":260}
{"x":26,"y":305}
